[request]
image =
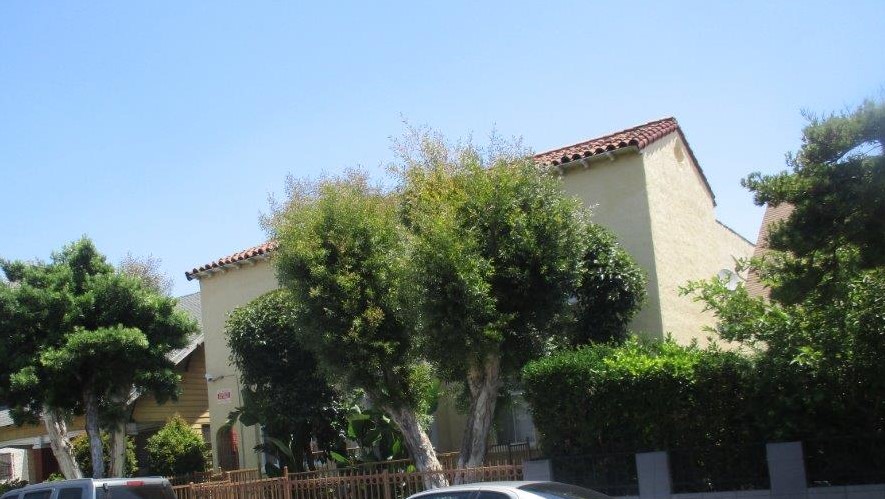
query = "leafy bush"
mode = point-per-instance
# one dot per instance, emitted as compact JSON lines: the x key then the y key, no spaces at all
{"x":11,"y":485}
{"x":176,"y":449}
{"x":641,"y":395}
{"x":653,"y":395}
{"x":84,"y":458}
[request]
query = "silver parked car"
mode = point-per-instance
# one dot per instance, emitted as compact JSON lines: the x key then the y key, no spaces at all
{"x":511,"y":490}
{"x":87,"y":488}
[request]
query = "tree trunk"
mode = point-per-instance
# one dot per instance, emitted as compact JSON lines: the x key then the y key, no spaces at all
{"x":117,"y":444}
{"x":60,"y":444}
{"x":117,"y":435}
{"x":419,"y":445}
{"x":93,"y":431}
{"x":484,"y":381}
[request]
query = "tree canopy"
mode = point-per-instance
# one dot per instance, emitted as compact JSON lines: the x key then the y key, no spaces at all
{"x":473,"y":264}
{"x":505,"y":265}
{"x":78,"y":335}
{"x":285,"y":391}
{"x":837,"y":189}
{"x":820,"y":337}
{"x":344,"y":255}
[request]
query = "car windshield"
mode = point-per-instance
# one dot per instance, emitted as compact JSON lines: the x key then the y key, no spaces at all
{"x":145,"y":491}
{"x":562,"y":491}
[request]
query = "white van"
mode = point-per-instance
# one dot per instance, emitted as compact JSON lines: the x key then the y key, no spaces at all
{"x":88,"y":488}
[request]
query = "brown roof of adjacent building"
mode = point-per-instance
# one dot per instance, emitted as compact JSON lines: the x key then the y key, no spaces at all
{"x":773,"y":215}
{"x":639,"y":137}
{"x":234,"y":259}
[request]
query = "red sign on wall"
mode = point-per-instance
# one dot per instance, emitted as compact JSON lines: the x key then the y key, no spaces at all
{"x":223,"y":396}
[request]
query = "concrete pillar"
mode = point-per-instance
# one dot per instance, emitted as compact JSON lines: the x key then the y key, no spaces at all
{"x":541,"y":470}
{"x":653,"y":469}
{"x":786,"y":469}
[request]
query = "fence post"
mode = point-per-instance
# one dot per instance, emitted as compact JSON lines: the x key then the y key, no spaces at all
{"x":287,"y":487}
{"x":653,"y":469}
{"x":541,"y":470}
{"x":385,"y":481}
{"x":786,"y":470}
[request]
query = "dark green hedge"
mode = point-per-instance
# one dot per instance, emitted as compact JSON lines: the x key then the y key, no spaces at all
{"x":639,"y":396}
{"x":647,"y":396}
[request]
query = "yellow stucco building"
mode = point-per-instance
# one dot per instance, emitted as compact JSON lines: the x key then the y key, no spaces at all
{"x":643,"y":183}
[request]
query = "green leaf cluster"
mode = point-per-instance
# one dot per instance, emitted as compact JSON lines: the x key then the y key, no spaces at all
{"x":474,"y":263}
{"x":11,"y":485}
{"x":820,"y":338}
{"x":377,"y":438}
{"x":344,"y":255}
{"x":75,"y":329}
{"x":176,"y":449}
{"x":641,"y":396}
{"x":836,"y":187}
{"x":284,"y":390}
{"x":84,"y":458}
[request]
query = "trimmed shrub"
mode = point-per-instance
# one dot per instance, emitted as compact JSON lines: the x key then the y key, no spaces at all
{"x":641,"y":395}
{"x":11,"y":485}
{"x":84,"y":457}
{"x":176,"y":449}
{"x":648,"y":396}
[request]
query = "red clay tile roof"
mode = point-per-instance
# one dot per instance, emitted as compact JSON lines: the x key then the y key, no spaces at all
{"x":773,"y":215}
{"x":639,"y":137}
{"x":246,"y":254}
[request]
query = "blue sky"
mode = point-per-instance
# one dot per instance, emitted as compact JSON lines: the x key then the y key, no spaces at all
{"x":161,"y":127}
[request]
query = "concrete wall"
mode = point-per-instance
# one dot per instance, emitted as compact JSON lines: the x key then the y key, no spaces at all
{"x":220,"y":294}
{"x":615,"y":191}
{"x":689,"y":243}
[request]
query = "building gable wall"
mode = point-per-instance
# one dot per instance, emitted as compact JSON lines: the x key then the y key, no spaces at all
{"x":615,"y":192}
{"x":220,"y":295}
{"x":689,"y":243}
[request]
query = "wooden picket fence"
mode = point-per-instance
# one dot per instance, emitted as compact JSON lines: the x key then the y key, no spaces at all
{"x":245,"y":475}
{"x":379,"y":485}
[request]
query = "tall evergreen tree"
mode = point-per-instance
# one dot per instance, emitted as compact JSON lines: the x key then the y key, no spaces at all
{"x":77,"y":335}
{"x":821,"y":336}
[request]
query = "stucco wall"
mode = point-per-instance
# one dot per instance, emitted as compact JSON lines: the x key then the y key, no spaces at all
{"x":689,"y":243}
{"x":615,"y":192}
{"x":219,"y":295}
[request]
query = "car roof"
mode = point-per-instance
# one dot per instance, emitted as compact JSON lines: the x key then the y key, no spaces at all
{"x":91,"y":481}
{"x":495,"y":486}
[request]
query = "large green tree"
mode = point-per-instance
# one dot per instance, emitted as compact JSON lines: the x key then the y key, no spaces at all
{"x":836,"y":186}
{"x":469,"y":267}
{"x":821,"y":336}
{"x":77,"y":336}
{"x":285,"y":391}
{"x":344,"y":255}
{"x":505,"y":265}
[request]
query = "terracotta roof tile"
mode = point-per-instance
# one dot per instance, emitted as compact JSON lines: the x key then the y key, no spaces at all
{"x":241,"y":256}
{"x":638,"y":136}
